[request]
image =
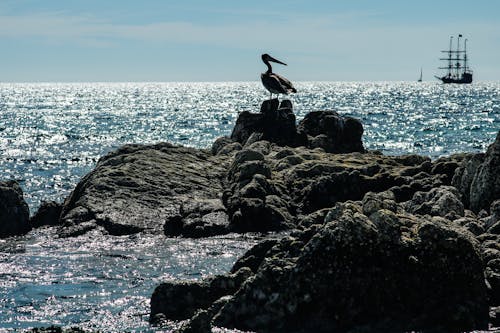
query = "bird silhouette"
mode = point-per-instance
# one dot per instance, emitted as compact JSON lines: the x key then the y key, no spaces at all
{"x":274,"y":83}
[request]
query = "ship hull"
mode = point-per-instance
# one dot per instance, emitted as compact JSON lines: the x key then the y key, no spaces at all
{"x":465,"y":79}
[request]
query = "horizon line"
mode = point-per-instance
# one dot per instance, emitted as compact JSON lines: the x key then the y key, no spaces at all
{"x":233,"y":81}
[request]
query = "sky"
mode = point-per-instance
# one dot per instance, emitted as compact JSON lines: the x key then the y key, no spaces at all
{"x":222,"y":40}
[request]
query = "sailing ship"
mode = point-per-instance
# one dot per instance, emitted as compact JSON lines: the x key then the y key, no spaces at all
{"x":457,"y":68}
{"x":420,"y":79}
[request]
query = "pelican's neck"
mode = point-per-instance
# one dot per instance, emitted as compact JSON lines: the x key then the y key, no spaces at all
{"x":269,"y":68}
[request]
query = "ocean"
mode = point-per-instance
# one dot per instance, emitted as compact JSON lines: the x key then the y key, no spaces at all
{"x":51,"y":134}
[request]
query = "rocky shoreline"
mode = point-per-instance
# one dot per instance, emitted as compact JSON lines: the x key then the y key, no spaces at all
{"x":375,"y":242}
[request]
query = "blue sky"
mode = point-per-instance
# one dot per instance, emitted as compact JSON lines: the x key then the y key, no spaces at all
{"x":166,"y":40}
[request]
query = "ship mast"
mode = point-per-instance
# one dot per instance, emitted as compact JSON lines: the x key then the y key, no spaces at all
{"x":465,"y":56}
{"x":457,"y":64}
{"x":450,"y":59}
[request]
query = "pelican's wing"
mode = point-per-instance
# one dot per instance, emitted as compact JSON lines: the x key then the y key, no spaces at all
{"x":287,"y":85}
{"x":272,"y":83}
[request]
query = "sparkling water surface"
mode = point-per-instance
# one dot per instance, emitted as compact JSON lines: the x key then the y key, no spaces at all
{"x":100,"y":282}
{"x":51,"y":134}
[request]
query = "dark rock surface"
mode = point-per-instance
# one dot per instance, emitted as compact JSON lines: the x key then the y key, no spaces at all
{"x":464,"y":175}
{"x":260,"y":187}
{"x":485,"y":187}
{"x":198,"y":218}
{"x":274,"y":123}
{"x":48,"y":214}
{"x":369,"y":265}
{"x":181,"y":299}
{"x":332,"y":132}
{"x":14,"y":211}
{"x":478,"y":178}
{"x":440,"y":201}
{"x":255,"y":256}
{"x":139,"y":187}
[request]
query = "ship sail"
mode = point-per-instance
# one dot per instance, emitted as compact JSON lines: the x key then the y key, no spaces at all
{"x":457,"y":69}
{"x":420,"y":78}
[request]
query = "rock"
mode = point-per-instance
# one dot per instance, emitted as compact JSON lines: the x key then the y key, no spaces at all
{"x":201,"y":321}
{"x":274,"y":123}
{"x":332,"y":132}
{"x":246,"y":124}
{"x":387,"y":271}
{"x":447,"y":167}
{"x":374,"y":202}
{"x":260,"y":215}
{"x":495,"y":316}
{"x":464,"y":175}
{"x":220,"y":143}
{"x":253,"y":203}
{"x":14,"y":211}
{"x":441,"y":201}
{"x":48,"y":214}
{"x":139,"y":187}
{"x":181,"y":299}
{"x":317,"y":217}
{"x":78,"y":229}
{"x":492,"y":275}
{"x":254,"y":257}
{"x":230,"y":149}
{"x":490,"y":250}
{"x":261,"y":146}
{"x":253,"y":138}
{"x":198,"y":218}
{"x":494,"y":215}
{"x":412,"y":160}
{"x":246,"y":155}
{"x":477,"y":178}
{"x":495,"y":228}
{"x":308,"y":180}
{"x":475,"y":228}
{"x":485,"y":187}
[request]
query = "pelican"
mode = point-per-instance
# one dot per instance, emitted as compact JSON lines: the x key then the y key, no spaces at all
{"x":273,"y":82}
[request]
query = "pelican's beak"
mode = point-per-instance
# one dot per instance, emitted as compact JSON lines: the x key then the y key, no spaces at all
{"x":276,"y":60}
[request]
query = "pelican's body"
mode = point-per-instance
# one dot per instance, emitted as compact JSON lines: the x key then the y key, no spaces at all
{"x":274,"y":83}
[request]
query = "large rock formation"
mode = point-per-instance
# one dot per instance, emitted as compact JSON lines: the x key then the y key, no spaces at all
{"x":180,"y":299}
{"x":274,"y":123}
{"x":14,"y":211}
{"x":261,"y":187}
{"x":192,"y":193}
{"x":485,"y":187}
{"x":369,"y":266}
{"x":409,"y":256}
{"x":139,"y":187}
{"x":319,"y":129}
{"x":478,"y":178}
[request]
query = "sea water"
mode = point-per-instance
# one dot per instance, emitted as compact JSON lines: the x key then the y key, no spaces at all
{"x":51,"y":134}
